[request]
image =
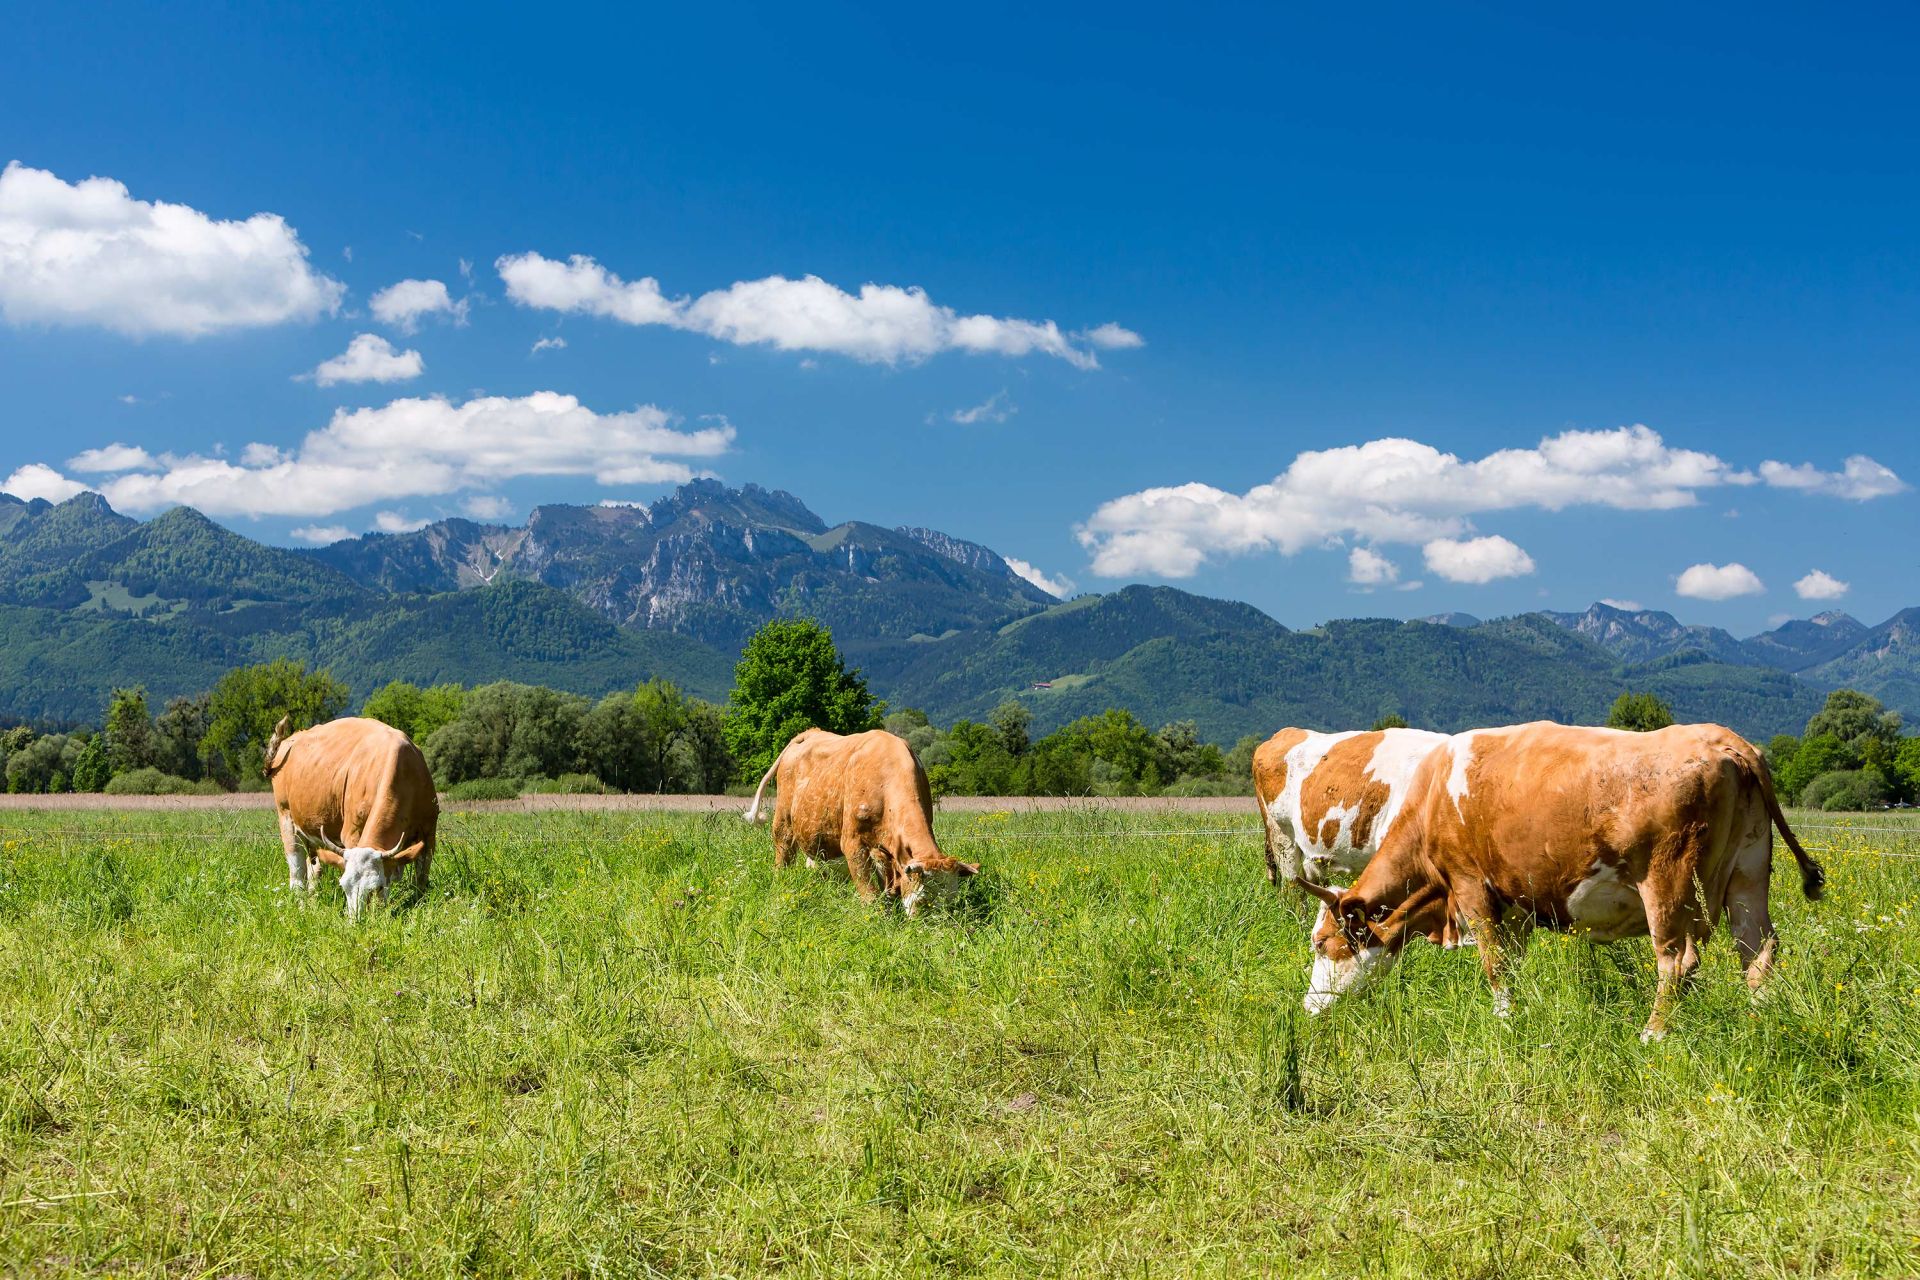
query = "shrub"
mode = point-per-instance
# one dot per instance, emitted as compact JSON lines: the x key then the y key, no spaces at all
{"x":567,"y":784}
{"x":1846,"y":789}
{"x":484,"y":789}
{"x":149,"y":781}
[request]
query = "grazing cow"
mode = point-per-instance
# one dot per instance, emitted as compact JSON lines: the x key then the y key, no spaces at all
{"x":860,"y":802}
{"x":355,"y":794}
{"x":1599,"y":832}
{"x":1329,"y":799}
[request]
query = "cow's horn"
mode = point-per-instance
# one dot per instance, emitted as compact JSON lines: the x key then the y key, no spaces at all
{"x":1329,"y":896}
{"x":396,"y":848}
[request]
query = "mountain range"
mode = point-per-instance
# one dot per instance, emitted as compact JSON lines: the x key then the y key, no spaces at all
{"x":597,"y":598}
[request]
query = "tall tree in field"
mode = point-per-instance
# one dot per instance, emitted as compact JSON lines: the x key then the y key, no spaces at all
{"x":129,"y":731}
{"x":1640,"y":712}
{"x":247,"y":703}
{"x":1857,"y":719}
{"x":789,"y":678}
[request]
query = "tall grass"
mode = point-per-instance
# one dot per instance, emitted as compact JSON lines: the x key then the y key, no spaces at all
{"x":621,"y":1044}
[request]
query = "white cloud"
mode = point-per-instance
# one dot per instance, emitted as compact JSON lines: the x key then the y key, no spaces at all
{"x":1368,"y":568}
{"x":882,"y":324}
{"x":1395,"y":491}
{"x":111,"y":458}
{"x":1718,"y":582}
{"x":547,"y":344}
{"x":88,"y":253}
{"x":368,"y":358}
{"x":1059,"y":587}
{"x":1627,"y":606}
{"x":38,"y":480}
{"x":1860,"y":479}
{"x":1820,"y":585}
{"x":1111,"y":337}
{"x":394,"y":522}
{"x":413,"y":448}
{"x":1476,"y":560}
{"x":320,"y":535}
{"x":995,"y":408}
{"x":403,"y":304}
{"x":487,"y":506}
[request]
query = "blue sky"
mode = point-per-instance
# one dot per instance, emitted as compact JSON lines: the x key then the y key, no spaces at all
{"x":1306,"y":235}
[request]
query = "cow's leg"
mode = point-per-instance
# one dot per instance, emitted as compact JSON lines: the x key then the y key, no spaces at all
{"x":1491,"y":938}
{"x":422,"y":869}
{"x":1283,"y":855}
{"x":861,"y":867}
{"x":297,"y":860}
{"x":1748,"y":919}
{"x":782,"y":838}
{"x":1673,"y":922}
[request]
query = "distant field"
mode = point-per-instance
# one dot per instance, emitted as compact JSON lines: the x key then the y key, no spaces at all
{"x":618,"y":1043}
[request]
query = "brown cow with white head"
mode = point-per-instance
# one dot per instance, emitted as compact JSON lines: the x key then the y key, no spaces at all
{"x":355,"y":794}
{"x":860,"y":802}
{"x":1599,"y":832}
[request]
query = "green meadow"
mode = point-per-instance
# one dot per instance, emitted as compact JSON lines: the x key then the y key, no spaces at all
{"x":622,"y":1044}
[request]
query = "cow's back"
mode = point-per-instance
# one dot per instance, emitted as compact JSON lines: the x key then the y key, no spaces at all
{"x":829,"y":783}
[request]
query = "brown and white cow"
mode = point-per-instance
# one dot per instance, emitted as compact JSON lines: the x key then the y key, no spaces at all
{"x":860,"y":802}
{"x":355,"y":794}
{"x":1328,"y":799}
{"x":1600,"y":832}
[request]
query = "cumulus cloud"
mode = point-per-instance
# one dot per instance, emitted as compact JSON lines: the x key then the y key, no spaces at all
{"x":411,"y":448}
{"x":487,"y":506}
{"x":110,"y":459}
{"x":368,"y":358}
{"x":1860,"y":479}
{"x":1476,"y":560}
{"x":38,"y":480}
{"x":881,"y":324}
{"x":1059,"y":587}
{"x":1718,"y":582}
{"x":1821,"y":585}
{"x":403,"y":304}
{"x":547,"y":344}
{"x":319,"y":535}
{"x":1396,"y":491}
{"x":1368,"y":568}
{"x":394,"y":522}
{"x":995,"y":408}
{"x":88,"y":253}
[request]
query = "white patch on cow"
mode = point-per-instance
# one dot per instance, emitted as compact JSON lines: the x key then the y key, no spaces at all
{"x":362,"y":877}
{"x":1457,"y":781}
{"x":1333,"y":979}
{"x":929,"y":886}
{"x":1302,"y":760}
{"x":1502,"y":1002}
{"x":1605,"y":908}
{"x":297,"y":869}
{"x":1394,"y":762}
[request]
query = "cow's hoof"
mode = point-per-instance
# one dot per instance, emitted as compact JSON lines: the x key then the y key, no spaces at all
{"x":1502,"y":1004}
{"x":1653,"y":1035}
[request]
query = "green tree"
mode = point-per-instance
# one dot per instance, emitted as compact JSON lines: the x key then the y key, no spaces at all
{"x":1014,"y":723}
{"x":1781,"y":750}
{"x":1238,"y":764}
{"x":1392,"y":720}
{"x":508,"y":730}
{"x":978,"y":763}
{"x":789,"y":678}
{"x":249,"y":701}
{"x":90,"y":768}
{"x":129,"y":731}
{"x":1855,"y":718}
{"x":414,"y":711}
{"x":44,"y":765}
{"x":177,"y":733}
{"x":701,"y":761}
{"x":1639,"y":712}
{"x":663,"y":712}
{"x":1823,"y":753}
{"x":1906,"y":767}
{"x":1181,"y":753}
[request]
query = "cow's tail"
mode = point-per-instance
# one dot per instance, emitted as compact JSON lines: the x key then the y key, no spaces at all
{"x":753,"y":810}
{"x":1813,"y":877}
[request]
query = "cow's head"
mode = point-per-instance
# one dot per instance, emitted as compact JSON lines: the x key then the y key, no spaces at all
{"x":1356,"y":941}
{"x":365,"y":872}
{"x":929,"y":877}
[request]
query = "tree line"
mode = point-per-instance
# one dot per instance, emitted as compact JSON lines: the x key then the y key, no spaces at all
{"x":503,"y":738}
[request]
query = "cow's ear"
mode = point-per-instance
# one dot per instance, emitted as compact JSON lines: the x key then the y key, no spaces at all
{"x":968,"y":868}
{"x":916,"y":867}
{"x":1354,"y":922}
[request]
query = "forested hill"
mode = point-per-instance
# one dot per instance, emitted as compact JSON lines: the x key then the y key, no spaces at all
{"x":595,"y":598}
